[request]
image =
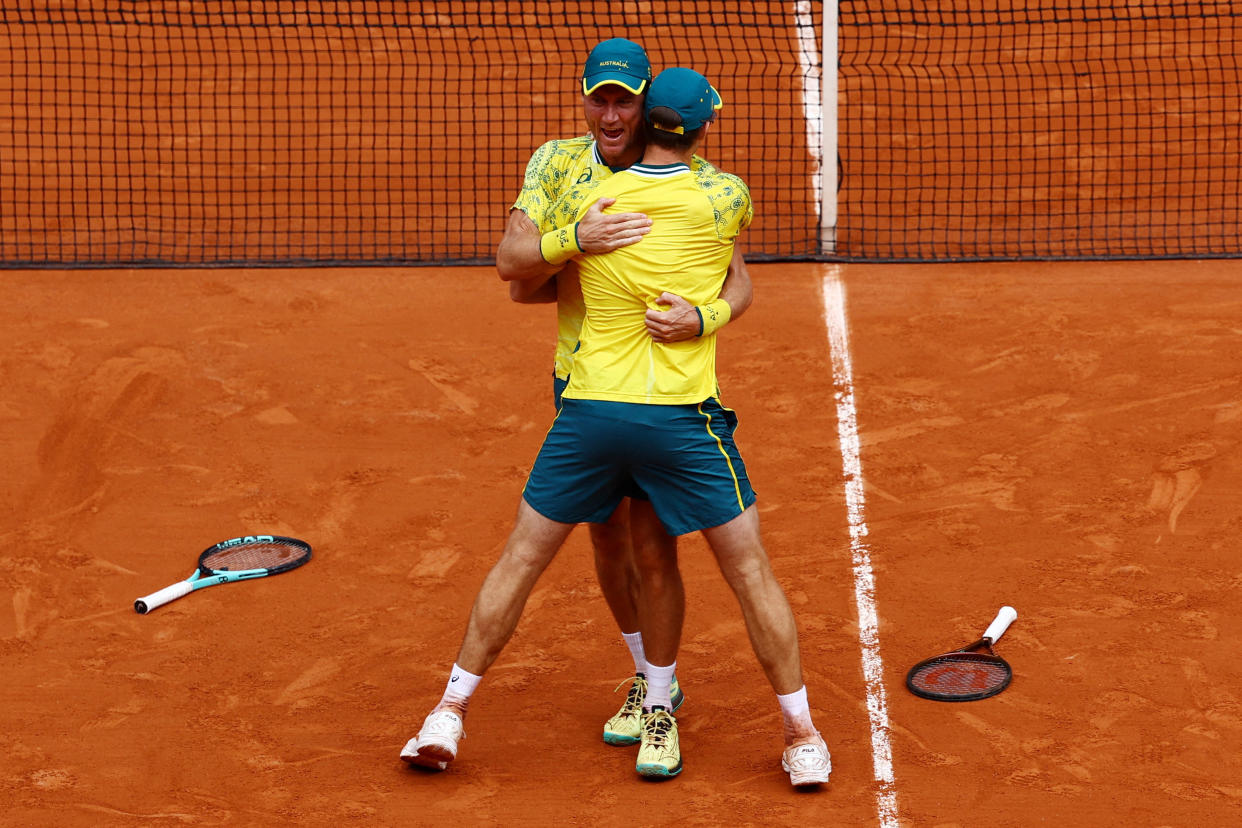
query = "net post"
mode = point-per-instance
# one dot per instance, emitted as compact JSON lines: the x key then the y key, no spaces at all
{"x":828,"y":145}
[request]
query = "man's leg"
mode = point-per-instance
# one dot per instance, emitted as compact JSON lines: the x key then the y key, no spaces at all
{"x":774,"y":637}
{"x":661,"y":595}
{"x":661,"y":609}
{"x":618,"y":581}
{"x":618,"y":577}
{"x":769,"y":620}
{"x":633,"y":528}
{"x":532,"y":545}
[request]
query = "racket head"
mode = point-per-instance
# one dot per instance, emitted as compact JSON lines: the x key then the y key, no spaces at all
{"x":962,"y":675}
{"x":272,"y":553}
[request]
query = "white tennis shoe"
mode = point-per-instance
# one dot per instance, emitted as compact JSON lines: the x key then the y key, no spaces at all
{"x":436,"y":743}
{"x":807,"y":762}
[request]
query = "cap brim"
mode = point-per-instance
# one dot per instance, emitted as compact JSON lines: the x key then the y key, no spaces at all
{"x":632,"y":84}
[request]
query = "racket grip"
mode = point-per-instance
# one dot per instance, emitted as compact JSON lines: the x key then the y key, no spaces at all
{"x":158,"y":599}
{"x":1004,"y":618}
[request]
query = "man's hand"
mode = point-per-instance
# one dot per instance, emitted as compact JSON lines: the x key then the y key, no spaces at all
{"x":680,"y":321}
{"x":600,"y":232}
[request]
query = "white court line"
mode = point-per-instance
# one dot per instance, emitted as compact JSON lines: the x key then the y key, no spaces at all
{"x":864,"y":578}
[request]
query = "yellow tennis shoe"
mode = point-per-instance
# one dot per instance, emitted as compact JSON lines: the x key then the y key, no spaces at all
{"x":625,"y":727}
{"x":659,"y":751}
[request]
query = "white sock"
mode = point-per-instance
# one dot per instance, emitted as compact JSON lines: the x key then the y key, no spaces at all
{"x":460,"y":687}
{"x":796,"y":713}
{"x":659,"y":680}
{"x":635,"y":642}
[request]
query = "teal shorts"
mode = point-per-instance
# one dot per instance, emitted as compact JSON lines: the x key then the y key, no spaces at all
{"x":682,"y":456}
{"x":558,"y":388}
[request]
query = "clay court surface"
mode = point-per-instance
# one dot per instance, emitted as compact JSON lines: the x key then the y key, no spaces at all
{"x":1059,"y":437}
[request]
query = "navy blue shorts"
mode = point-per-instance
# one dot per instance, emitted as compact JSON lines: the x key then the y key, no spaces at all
{"x":683,"y":456}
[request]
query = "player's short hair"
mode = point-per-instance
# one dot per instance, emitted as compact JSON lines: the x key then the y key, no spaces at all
{"x":660,"y":127}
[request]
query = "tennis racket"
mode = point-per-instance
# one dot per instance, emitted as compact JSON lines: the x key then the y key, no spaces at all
{"x":238,"y":559}
{"x":966,"y":674}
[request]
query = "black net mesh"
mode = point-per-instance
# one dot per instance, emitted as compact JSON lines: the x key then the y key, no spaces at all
{"x":370,"y":131}
{"x":1040,"y":129}
{"x":326,"y":131}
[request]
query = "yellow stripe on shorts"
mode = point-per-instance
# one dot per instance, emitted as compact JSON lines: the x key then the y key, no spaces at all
{"x":737,"y":489}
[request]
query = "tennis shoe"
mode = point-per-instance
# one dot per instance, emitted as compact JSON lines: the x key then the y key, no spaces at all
{"x":675,"y":695}
{"x":436,"y":743}
{"x":807,"y":762}
{"x":659,"y":751}
{"x":625,"y":727}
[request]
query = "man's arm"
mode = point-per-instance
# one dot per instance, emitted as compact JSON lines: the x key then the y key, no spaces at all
{"x":737,"y":289}
{"x":522,"y":251}
{"x":518,"y":257}
{"x":533,"y":291}
{"x":683,"y":321}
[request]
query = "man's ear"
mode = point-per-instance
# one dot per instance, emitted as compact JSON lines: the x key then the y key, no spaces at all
{"x":702,"y":136}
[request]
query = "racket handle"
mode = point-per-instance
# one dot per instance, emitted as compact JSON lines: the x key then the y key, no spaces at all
{"x":158,"y":599}
{"x":1004,"y":618}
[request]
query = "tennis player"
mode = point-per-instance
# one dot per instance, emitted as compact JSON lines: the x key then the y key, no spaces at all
{"x":561,"y":178}
{"x":637,"y":410}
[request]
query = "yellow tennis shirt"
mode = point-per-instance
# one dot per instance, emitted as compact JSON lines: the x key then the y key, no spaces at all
{"x":560,"y":183}
{"x":695,"y":219}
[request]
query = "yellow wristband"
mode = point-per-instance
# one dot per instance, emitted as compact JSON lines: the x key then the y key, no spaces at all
{"x":713,"y":316}
{"x":560,"y":245}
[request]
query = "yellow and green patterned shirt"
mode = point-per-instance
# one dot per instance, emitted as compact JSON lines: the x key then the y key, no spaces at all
{"x":561,"y":179}
{"x":695,"y":220}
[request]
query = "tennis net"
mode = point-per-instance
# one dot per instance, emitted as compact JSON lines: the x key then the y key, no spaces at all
{"x":1006,"y":129}
{"x":230,"y":132}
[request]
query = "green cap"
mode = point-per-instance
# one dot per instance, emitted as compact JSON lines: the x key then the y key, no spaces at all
{"x":618,"y":61}
{"x":683,"y":92}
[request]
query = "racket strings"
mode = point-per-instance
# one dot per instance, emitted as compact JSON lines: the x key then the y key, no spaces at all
{"x":259,"y":555}
{"x":955,"y":677}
